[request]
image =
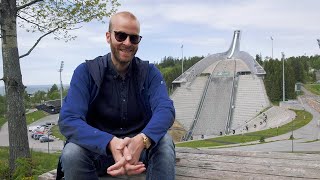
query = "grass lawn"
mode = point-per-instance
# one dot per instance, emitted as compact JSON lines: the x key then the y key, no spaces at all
{"x":299,"y":122}
{"x":31,"y":117}
{"x":34,"y":116}
{"x":2,"y":121}
{"x":56,"y":132}
{"x":41,"y":162}
{"x":314,"y":88}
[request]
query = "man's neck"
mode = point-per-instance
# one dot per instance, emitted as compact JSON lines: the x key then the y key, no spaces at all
{"x":121,"y":68}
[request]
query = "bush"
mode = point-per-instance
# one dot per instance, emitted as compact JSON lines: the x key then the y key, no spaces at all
{"x":4,"y":170}
{"x":262,"y":139}
{"x":291,"y":137}
{"x":23,"y":169}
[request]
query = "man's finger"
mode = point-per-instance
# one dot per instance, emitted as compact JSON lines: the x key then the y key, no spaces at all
{"x":123,"y":144}
{"x":117,"y":165}
{"x":117,"y":172}
{"x":136,"y":171}
{"x":127,"y":155}
{"x":131,"y":167}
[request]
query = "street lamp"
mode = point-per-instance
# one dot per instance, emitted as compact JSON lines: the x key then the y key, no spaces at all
{"x":48,"y":141}
{"x":61,"y":87}
{"x":292,"y":135}
{"x":283,"y":83}
{"x":182,"y":59}
{"x":271,"y":47}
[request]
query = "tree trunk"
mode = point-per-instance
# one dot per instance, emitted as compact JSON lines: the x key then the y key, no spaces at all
{"x":18,"y":136}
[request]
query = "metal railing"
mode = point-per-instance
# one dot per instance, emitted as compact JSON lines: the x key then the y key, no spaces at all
{"x":196,"y":117}
{"x":231,"y":106}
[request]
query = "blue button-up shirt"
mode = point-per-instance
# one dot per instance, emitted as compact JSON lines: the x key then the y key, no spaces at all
{"x":117,"y":102}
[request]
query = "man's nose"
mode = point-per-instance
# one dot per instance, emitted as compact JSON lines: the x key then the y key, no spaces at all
{"x":127,"y":41}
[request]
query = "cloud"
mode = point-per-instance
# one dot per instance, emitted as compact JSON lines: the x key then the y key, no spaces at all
{"x":272,"y":14}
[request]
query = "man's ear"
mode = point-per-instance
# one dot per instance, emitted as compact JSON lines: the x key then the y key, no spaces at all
{"x":108,"y":36}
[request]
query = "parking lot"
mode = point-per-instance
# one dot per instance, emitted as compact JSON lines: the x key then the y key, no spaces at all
{"x":56,"y":145}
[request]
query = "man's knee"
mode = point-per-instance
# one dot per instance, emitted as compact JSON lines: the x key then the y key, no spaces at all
{"x":166,"y":145}
{"x":72,"y":153}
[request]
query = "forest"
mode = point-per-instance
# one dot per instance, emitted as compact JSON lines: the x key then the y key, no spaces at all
{"x":296,"y":69}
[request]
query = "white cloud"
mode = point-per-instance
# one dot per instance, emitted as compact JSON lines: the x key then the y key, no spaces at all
{"x":284,"y":14}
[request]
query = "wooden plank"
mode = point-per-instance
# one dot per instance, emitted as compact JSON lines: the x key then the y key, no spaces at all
{"x":135,"y":177}
{"x":267,"y":161}
{"x":298,"y":172}
{"x":139,"y":177}
{"x":197,"y":164}
{"x":275,"y":155}
{"x":200,"y":173}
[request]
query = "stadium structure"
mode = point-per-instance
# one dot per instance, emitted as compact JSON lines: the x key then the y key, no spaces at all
{"x":224,"y":94}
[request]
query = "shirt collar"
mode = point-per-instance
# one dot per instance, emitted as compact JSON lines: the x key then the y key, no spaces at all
{"x":115,"y":73}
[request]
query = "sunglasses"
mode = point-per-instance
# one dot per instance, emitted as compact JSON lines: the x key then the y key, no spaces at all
{"x":122,"y":36}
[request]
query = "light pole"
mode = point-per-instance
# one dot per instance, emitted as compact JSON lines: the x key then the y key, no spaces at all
{"x":61,"y":87}
{"x":48,"y":141}
{"x":283,"y":83}
{"x":292,"y":135}
{"x":271,"y":47}
{"x":182,"y":59}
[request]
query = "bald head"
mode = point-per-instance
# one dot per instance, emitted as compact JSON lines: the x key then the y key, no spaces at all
{"x":120,"y":16}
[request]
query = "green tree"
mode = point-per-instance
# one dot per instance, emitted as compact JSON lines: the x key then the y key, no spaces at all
{"x":53,"y":89}
{"x":259,"y":60}
{"x":56,"y":17}
{"x":2,"y":105}
{"x":54,"y":95}
{"x":171,"y":67}
{"x":27,"y":99}
{"x":297,"y":69}
{"x":38,"y":97}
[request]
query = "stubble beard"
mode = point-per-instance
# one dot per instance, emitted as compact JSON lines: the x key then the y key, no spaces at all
{"x":116,"y":54}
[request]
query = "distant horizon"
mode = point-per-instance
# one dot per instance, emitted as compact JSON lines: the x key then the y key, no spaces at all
{"x":31,"y":89}
{"x":41,"y":85}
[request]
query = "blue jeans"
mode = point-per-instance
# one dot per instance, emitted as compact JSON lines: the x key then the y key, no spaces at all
{"x":79,"y":163}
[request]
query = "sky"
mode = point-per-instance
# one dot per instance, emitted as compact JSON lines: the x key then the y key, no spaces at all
{"x":203,"y":27}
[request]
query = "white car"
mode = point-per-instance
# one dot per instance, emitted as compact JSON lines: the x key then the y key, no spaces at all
{"x":32,"y":128}
{"x":45,"y":138}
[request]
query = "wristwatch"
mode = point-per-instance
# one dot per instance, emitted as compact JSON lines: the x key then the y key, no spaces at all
{"x":146,"y":141}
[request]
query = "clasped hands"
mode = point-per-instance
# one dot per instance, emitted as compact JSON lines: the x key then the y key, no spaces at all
{"x":126,"y":153}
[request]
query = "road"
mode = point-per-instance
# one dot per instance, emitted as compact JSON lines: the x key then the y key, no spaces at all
{"x":303,"y":136}
{"x":54,"y":146}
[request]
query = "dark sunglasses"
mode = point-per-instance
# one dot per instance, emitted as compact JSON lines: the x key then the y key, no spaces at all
{"x":122,"y":36}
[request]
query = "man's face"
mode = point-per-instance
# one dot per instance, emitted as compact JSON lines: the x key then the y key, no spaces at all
{"x":123,"y":51}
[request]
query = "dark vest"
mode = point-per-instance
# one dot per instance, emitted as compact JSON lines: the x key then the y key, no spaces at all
{"x":104,"y":113}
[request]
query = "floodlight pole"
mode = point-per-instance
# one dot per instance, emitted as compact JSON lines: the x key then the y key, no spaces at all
{"x":292,"y":135}
{"x":48,"y":143}
{"x":182,"y":59}
{"x":271,"y":47}
{"x":61,"y":86}
{"x":283,"y":83}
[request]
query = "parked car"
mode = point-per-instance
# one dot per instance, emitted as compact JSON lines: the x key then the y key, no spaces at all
{"x":46,"y":139}
{"x":35,"y":133}
{"x":31,"y":128}
{"x":39,"y":129}
{"x":50,"y":123}
{"x":37,"y":136}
